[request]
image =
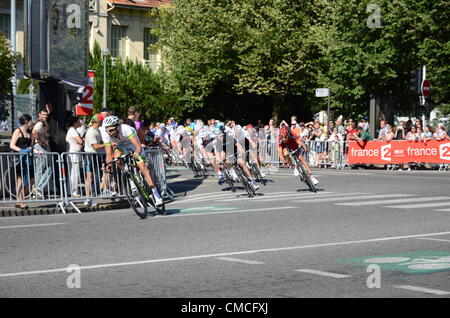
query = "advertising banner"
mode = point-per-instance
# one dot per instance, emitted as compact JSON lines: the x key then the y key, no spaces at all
{"x":397,"y":152}
{"x":86,"y":105}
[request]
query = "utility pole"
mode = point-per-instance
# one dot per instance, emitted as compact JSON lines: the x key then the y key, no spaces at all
{"x":13,"y":45}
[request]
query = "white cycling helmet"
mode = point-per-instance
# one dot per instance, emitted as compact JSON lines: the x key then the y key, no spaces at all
{"x":111,"y":121}
{"x":203,"y":133}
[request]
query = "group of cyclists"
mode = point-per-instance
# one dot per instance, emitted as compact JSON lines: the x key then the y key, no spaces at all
{"x":222,"y":146}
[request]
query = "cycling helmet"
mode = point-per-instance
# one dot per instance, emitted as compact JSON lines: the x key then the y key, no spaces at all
{"x":203,"y":133}
{"x":111,"y":121}
{"x":284,"y":131}
{"x":180,"y":130}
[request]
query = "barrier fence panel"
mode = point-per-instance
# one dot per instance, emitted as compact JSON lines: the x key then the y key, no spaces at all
{"x":87,"y":180}
{"x":31,"y":178}
{"x":157,"y":168}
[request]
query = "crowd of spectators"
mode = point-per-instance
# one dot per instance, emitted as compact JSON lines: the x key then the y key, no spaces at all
{"x":326,"y":140}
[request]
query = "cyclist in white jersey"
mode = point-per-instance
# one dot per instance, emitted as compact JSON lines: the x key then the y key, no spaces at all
{"x":205,"y":142}
{"x":120,"y":139}
{"x":240,"y":135}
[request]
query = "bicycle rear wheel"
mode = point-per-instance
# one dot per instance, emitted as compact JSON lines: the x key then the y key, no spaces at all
{"x":135,"y":199}
{"x":244,"y":180}
{"x":257,"y":173}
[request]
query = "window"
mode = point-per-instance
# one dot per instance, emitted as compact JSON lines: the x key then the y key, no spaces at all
{"x":118,"y":41}
{"x":5,"y":25}
{"x":149,"y":39}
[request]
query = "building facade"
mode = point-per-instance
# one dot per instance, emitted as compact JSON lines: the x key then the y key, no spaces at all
{"x":122,"y":26}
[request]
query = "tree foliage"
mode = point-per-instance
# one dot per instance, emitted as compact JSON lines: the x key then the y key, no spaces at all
{"x":7,"y":60}
{"x":131,"y":84}
{"x":283,"y":49}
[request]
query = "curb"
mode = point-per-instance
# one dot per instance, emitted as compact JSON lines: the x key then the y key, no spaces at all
{"x":12,"y":212}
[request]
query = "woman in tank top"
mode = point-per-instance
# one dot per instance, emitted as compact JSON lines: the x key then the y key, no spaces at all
{"x":21,"y":142}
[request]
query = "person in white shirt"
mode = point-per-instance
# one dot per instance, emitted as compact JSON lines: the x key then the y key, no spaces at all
{"x":93,"y":144}
{"x":337,"y":141}
{"x":75,"y":144}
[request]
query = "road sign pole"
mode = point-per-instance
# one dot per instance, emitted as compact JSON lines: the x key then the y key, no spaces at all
{"x":329,"y":103}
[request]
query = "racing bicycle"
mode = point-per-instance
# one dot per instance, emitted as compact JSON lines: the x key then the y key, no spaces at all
{"x":303,"y":174}
{"x":138,"y":193}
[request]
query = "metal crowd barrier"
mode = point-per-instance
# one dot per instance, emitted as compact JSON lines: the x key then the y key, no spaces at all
{"x":157,"y":167}
{"x":68,"y":178}
{"x":30,"y":178}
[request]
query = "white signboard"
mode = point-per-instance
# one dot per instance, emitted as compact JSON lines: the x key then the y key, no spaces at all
{"x":322,"y":92}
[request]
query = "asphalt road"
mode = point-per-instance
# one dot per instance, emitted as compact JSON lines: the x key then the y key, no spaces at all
{"x":366,"y":233}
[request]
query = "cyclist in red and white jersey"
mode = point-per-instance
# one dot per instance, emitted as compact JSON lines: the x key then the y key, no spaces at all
{"x":288,"y":142}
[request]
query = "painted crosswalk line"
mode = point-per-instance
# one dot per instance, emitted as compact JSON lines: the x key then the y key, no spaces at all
{"x":353,"y":198}
{"x":379,"y":202}
{"x":420,"y":205}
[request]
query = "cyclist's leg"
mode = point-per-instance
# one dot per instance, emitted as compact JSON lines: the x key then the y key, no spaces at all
{"x":305,"y":164}
{"x":286,"y":157}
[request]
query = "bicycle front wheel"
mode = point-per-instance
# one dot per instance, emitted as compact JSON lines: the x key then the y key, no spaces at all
{"x":134,"y":197}
{"x":304,"y":176}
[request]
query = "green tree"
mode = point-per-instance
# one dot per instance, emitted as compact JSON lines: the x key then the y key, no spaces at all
{"x":131,"y":84}
{"x":7,"y":60}
{"x":365,"y":60}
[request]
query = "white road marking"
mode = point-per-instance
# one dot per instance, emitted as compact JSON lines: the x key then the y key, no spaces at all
{"x":310,"y":196}
{"x":279,"y":197}
{"x":321,"y":273}
{"x":423,"y":290}
{"x":419,"y":206}
{"x":393,"y":201}
{"x":354,"y":197}
{"x":230,"y":211}
{"x":432,"y":239}
{"x":233,"y":197}
{"x":28,"y":225}
{"x":238,"y":260}
{"x":442,"y":210}
{"x":205,"y":256}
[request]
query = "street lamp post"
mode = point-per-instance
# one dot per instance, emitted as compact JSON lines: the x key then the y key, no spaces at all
{"x":105,"y":54}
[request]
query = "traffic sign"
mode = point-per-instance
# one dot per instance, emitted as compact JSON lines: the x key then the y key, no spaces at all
{"x":322,"y":92}
{"x":426,"y":88}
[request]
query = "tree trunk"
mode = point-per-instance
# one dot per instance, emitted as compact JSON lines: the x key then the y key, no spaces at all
{"x":278,"y":108}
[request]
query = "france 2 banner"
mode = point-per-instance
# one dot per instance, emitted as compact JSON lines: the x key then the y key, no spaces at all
{"x":86,"y":105}
{"x":397,"y":152}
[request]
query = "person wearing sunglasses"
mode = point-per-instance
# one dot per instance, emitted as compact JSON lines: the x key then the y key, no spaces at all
{"x":124,"y":137}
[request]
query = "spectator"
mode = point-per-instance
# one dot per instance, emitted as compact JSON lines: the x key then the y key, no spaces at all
{"x":21,"y":142}
{"x":361,"y":136}
{"x":383,"y":129}
{"x":138,"y":120}
{"x":350,"y":130}
{"x":330,"y":127}
{"x":304,"y":132}
{"x":105,"y":112}
{"x":340,"y":127}
{"x":294,"y":123}
{"x":40,"y":135}
{"x":75,"y":143}
{"x":336,"y":140}
{"x":317,"y":146}
{"x":412,"y":135}
{"x":390,"y":133}
{"x":400,"y":131}
{"x":93,"y":144}
{"x":440,"y":133}
{"x":131,"y":112}
{"x":428,"y":133}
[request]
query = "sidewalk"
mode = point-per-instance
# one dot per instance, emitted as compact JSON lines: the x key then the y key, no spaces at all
{"x":8,"y":210}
